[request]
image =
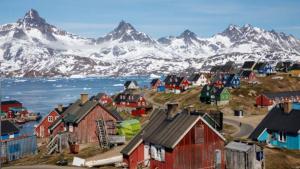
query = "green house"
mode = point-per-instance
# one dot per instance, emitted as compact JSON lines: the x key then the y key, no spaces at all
{"x":129,"y":128}
{"x":214,"y":95}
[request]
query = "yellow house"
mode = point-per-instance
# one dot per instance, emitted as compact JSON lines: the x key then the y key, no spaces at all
{"x":295,"y":73}
{"x":295,"y":70}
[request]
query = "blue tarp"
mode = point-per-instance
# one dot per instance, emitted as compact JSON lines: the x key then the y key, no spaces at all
{"x":296,"y":106}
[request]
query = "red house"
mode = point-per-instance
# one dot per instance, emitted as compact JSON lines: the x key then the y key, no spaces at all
{"x":176,"y":84}
{"x":248,"y":75}
{"x":129,"y":100}
{"x":176,"y":141}
{"x":155,"y":83}
{"x":6,"y":105}
{"x":140,"y":111}
{"x":270,"y":99}
{"x":103,"y":98}
{"x":79,"y":119}
{"x":41,"y":130}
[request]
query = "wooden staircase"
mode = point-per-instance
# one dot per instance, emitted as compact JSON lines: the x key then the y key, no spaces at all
{"x":53,"y":145}
{"x":57,"y":143}
{"x":102,"y":134}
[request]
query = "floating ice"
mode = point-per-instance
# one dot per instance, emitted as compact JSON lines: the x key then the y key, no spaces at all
{"x":77,"y":76}
{"x":51,"y":80}
{"x":20,"y":80}
{"x":152,"y":76}
{"x":119,"y":84}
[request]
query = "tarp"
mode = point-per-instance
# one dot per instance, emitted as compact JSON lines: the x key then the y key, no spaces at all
{"x":129,"y":128}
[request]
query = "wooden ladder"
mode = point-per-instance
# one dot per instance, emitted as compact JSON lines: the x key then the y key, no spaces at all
{"x":53,"y":145}
{"x":102,"y":134}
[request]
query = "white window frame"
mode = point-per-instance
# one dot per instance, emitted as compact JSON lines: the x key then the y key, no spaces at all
{"x":282,"y":137}
{"x":50,"y":119}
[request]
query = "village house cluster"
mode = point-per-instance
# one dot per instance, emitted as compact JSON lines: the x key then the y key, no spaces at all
{"x":172,"y":137}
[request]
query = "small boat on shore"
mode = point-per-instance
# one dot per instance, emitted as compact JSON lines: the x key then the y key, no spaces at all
{"x":20,"y":121}
{"x":34,"y":116}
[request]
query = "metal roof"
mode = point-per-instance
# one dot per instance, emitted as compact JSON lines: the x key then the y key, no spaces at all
{"x":238,"y":146}
{"x":163,"y":131}
{"x":277,"y":120}
{"x":7,"y":127}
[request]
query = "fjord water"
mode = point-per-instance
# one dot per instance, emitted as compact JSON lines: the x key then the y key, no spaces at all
{"x":42,"y":94}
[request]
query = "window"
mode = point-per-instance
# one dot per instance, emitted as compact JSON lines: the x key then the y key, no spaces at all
{"x":157,"y":153}
{"x":199,"y":134}
{"x":282,"y":137}
{"x":70,"y":127}
{"x":50,"y":118}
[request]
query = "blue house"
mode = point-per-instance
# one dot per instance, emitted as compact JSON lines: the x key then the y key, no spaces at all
{"x":263,"y":68}
{"x":161,"y":88}
{"x":232,"y":80}
{"x":280,"y":128}
{"x":9,"y":130}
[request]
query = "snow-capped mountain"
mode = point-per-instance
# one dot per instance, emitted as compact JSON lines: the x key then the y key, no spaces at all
{"x":32,"y":47}
{"x":125,"y":32}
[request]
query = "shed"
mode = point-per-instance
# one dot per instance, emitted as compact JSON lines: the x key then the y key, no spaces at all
{"x":244,"y":156}
{"x":8,"y":130}
{"x":239,"y":113}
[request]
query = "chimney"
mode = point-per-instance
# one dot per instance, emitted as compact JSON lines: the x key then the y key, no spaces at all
{"x":190,"y":109}
{"x":287,"y":107}
{"x":60,"y":107}
{"x":171,"y":110}
{"x":84,"y":97}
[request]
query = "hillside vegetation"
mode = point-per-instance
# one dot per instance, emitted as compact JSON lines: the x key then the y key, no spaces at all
{"x":241,"y":98}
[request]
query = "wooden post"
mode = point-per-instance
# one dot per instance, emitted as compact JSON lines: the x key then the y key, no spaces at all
{"x":59,"y":144}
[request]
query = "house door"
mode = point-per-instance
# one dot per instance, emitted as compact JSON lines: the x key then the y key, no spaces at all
{"x":218,"y":159}
{"x":42,"y":130}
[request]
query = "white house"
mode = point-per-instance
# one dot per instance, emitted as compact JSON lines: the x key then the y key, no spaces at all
{"x":198,"y":79}
{"x":131,"y":84}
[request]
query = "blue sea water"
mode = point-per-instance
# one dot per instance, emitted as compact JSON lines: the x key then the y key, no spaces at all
{"x":42,"y":94}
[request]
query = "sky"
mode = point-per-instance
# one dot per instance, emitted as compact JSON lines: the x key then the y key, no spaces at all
{"x":158,"y":18}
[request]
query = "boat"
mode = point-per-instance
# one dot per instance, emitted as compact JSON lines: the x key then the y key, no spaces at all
{"x":20,"y":121}
{"x":34,"y":116}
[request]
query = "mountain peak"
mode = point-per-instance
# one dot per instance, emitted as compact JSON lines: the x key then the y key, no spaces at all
{"x":125,"y":32}
{"x":232,"y":27}
{"x":32,"y":19}
{"x":123,"y":27}
{"x":188,"y":33}
{"x":32,"y":14}
{"x":248,"y":26}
